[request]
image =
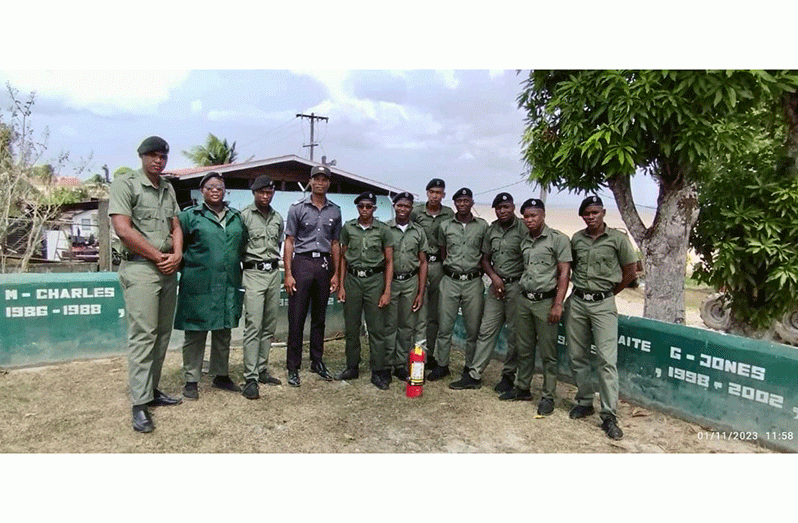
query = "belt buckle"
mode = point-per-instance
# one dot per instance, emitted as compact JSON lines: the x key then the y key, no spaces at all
{"x":588,"y":296}
{"x":433,"y":258}
{"x":463,"y":277}
{"x":361,"y":274}
{"x":315,"y":254}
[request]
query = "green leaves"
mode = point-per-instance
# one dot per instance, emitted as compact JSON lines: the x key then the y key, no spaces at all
{"x":214,"y":152}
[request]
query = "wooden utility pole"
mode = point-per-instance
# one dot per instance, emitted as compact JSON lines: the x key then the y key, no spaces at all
{"x":103,"y":237}
{"x":312,"y":117}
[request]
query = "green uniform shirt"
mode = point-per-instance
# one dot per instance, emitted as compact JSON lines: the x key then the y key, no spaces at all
{"x":150,"y":208}
{"x":429,"y":223}
{"x":541,"y":256}
{"x":210,"y":295}
{"x":463,"y":243}
{"x":365,"y":249}
{"x":597,"y":263}
{"x":504,"y":247}
{"x":406,"y":246}
{"x":265,"y":234}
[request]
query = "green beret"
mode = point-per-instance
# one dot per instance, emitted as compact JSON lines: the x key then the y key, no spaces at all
{"x":153,"y":144}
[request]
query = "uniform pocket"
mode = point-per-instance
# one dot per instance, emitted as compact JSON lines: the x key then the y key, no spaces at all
{"x":148,"y":218}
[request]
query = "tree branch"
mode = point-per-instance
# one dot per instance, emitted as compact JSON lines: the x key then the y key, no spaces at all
{"x":622,"y":190}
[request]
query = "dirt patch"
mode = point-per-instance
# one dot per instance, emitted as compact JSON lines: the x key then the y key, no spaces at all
{"x":83,"y":407}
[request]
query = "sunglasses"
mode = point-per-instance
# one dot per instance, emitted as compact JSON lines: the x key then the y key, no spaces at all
{"x":366,"y":206}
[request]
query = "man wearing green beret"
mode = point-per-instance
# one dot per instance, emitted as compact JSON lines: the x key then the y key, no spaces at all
{"x":262,"y":284}
{"x":546,"y":256}
{"x":143,"y":209}
{"x":460,"y":241}
{"x":210,"y":296}
{"x":407,"y":289}
{"x":367,"y":263}
{"x":429,"y":215}
{"x":604,"y":265}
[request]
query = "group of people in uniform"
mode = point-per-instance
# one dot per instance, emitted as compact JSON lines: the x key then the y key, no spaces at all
{"x":408,"y":277}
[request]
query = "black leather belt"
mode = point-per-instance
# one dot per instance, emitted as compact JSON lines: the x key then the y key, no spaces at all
{"x":312,"y":254}
{"x":510,"y":280}
{"x":131,"y":256}
{"x":433,"y":258}
{"x":269,"y":265}
{"x":364,"y":273}
{"x":540,"y":296}
{"x":592,"y":296}
{"x":405,"y":275}
{"x":465,"y":276}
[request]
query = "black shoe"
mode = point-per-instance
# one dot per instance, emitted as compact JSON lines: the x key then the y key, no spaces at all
{"x":516,"y":394}
{"x":611,"y":428}
{"x":225,"y":383}
{"x":466,"y":382}
{"x":267,"y":379}
{"x":505,"y":385}
{"x":142,"y":422}
{"x":581,"y":411}
{"x":251,"y":391}
{"x":400,"y":373}
{"x":377,"y":381}
{"x":545,"y":407}
{"x":293,"y":378}
{"x":162,"y":400}
{"x":439,"y":372}
{"x":190,"y":390}
{"x":431,"y":363}
{"x":319,"y":368}
{"x":350,"y":373}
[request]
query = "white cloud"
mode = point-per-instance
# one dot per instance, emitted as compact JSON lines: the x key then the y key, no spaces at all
{"x":196,"y":106}
{"x":448,"y":79}
{"x":495,"y":73}
{"x":101,"y":92}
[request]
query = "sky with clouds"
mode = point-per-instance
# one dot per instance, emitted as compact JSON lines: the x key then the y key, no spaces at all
{"x":400,"y":127}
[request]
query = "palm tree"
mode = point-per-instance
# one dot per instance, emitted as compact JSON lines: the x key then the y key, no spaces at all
{"x":214,"y":152}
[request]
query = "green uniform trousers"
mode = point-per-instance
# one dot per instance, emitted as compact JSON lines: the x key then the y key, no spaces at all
{"x":595,"y":322}
{"x":194,"y":351}
{"x":468,"y":296}
{"x":150,"y":298}
{"x":362,"y":297}
{"x":497,"y":312}
{"x":534,"y":332}
{"x":261,"y":303}
{"x":400,"y":324}
{"x":427,"y":325}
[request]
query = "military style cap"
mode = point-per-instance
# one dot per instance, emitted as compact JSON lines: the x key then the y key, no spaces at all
{"x":403,"y":196}
{"x":502,"y":197}
{"x":590,"y":200}
{"x":212,"y":174}
{"x":262,"y":182}
{"x":321,"y":169}
{"x":368,"y":195}
{"x":533,"y":203}
{"x":153,"y":144}
{"x":436,"y":182}
{"x":465,"y":191}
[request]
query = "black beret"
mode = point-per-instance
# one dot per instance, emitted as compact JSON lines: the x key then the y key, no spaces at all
{"x":153,"y":144}
{"x":212,"y":174}
{"x":502,"y":197}
{"x":465,"y":191}
{"x":262,"y":182}
{"x":590,"y":200}
{"x":403,"y":196}
{"x":534,"y":203}
{"x":368,"y":195}
{"x":321,"y":169}
{"x":436,"y":182}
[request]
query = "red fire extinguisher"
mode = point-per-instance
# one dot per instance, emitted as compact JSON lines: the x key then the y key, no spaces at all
{"x":415,"y":381}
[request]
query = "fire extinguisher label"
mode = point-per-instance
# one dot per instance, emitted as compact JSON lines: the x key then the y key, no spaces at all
{"x":417,"y":371}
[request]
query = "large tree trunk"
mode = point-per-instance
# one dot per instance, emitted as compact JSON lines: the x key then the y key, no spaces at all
{"x":664,"y":244}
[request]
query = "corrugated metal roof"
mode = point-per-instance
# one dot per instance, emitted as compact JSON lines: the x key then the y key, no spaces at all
{"x":198,"y":172}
